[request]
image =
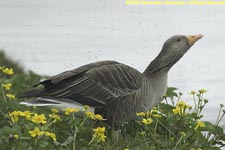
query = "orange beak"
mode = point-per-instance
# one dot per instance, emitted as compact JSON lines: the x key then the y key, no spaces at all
{"x":193,"y":38}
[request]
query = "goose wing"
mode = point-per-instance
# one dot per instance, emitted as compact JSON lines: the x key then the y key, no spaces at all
{"x":92,"y":84}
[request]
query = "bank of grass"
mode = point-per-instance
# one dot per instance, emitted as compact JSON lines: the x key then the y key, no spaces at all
{"x":167,"y":126}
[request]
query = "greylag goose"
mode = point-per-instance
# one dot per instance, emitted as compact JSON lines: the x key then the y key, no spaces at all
{"x":114,"y":90}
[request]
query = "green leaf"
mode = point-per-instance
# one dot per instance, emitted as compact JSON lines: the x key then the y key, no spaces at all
{"x":43,"y":144}
{"x":172,"y":121}
{"x":222,"y":137}
{"x":68,"y":141}
{"x":215,"y":129}
{"x":25,"y":138}
{"x":171,"y":92}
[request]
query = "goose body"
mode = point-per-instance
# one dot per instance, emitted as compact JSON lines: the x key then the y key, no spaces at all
{"x":114,"y":90}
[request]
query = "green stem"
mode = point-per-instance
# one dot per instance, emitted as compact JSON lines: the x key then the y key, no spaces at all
{"x":35,"y":143}
{"x":210,"y":142}
{"x":208,"y":136}
{"x":195,"y":103}
{"x":3,"y":94}
{"x":166,"y":100}
{"x":156,"y":124}
{"x":50,"y":123}
{"x":220,"y":119}
{"x":82,"y":123}
{"x":167,"y":129}
{"x":3,"y":113}
{"x":199,"y":106}
{"x":153,"y":137}
{"x":217,"y":120}
{"x":91,"y":140}
{"x":74,"y":139}
{"x":178,"y":141}
{"x":145,"y":140}
{"x":75,"y":134}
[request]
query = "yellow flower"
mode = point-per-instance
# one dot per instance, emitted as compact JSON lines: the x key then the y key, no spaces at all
{"x":199,"y":124}
{"x":189,"y":107}
{"x":26,"y":114}
{"x":47,"y":133}
{"x":71,"y":110}
{"x":14,"y":116}
{"x":52,"y":135}
{"x":7,"y":86}
{"x":1,"y":67}
{"x":149,"y":113}
{"x":99,"y":117}
{"x":99,"y":134}
{"x":202,"y":91}
{"x":90,"y":115}
{"x":147,"y":121}
{"x":11,"y":96}
{"x":8,"y":71}
{"x":16,"y":136}
{"x":177,"y":110}
{"x":180,"y":108}
{"x":193,"y":92}
{"x":157,"y":115}
{"x":155,"y":109}
{"x":181,"y":104}
{"x":141,"y":114}
{"x":54,"y":110}
{"x":55,"y":117}
{"x":36,"y":132}
{"x":39,"y":118}
{"x":155,"y":112}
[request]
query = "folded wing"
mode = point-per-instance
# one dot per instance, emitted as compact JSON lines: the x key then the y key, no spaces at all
{"x":92,"y":84}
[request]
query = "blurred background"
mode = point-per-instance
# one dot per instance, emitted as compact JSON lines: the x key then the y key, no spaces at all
{"x":49,"y":37}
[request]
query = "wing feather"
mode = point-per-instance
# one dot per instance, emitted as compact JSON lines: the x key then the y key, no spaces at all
{"x":93,"y":84}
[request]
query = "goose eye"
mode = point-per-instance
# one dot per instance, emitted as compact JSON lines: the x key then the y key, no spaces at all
{"x":178,"y":40}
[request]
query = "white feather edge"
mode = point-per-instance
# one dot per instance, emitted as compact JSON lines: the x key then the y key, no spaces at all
{"x":59,"y":104}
